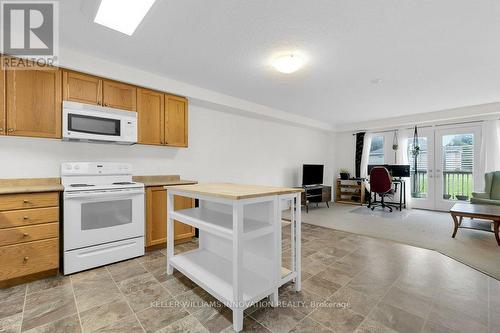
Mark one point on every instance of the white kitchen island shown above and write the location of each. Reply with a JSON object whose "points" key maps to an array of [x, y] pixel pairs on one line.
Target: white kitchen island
{"points": [[239, 256]]}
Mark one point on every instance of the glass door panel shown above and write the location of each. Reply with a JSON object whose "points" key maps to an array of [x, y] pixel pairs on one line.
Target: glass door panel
{"points": [[455, 164], [421, 169]]}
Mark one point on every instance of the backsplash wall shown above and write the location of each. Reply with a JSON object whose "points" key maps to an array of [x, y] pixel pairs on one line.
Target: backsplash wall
{"points": [[223, 147]]}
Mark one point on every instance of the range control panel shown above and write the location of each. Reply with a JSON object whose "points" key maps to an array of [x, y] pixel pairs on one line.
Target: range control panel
{"points": [[95, 168]]}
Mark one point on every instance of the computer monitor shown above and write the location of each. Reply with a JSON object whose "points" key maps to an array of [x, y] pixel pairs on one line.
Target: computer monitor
{"points": [[396, 170]]}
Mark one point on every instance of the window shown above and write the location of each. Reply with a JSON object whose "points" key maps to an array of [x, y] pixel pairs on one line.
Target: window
{"points": [[377, 150]]}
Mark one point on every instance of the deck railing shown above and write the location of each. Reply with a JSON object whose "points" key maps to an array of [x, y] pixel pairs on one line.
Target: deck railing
{"points": [[457, 183], [454, 183], [422, 182]]}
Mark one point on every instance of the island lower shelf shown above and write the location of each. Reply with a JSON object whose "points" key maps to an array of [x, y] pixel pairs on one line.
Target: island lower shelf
{"points": [[198, 265]]}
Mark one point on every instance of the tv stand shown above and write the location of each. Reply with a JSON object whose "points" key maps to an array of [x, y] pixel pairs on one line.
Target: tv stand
{"points": [[316, 194]]}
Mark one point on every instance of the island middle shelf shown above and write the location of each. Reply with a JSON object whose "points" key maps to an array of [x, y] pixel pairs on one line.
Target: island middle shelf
{"points": [[221, 223]]}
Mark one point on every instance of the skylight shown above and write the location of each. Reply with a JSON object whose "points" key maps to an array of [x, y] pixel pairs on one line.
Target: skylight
{"points": [[122, 15]]}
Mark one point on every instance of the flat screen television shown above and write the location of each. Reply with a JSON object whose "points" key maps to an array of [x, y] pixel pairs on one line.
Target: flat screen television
{"points": [[312, 174]]}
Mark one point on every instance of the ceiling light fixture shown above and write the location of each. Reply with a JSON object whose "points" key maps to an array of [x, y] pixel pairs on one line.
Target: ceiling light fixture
{"points": [[288, 63], [122, 15]]}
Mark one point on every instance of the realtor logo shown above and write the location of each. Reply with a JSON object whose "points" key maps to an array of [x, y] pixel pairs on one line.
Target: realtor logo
{"points": [[30, 30]]}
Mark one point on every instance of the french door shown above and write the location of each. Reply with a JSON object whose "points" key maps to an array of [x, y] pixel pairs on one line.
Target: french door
{"points": [[446, 166]]}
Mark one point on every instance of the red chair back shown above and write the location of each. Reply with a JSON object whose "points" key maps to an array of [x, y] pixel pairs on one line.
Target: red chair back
{"points": [[380, 180]]}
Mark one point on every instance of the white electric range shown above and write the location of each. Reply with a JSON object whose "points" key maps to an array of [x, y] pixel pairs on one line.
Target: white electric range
{"points": [[103, 214]]}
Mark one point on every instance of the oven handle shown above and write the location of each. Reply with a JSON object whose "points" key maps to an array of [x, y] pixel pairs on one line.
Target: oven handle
{"points": [[104, 194]]}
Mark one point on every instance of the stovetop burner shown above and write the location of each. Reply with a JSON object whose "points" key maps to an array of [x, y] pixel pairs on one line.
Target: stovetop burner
{"points": [[81, 185], [122, 183]]}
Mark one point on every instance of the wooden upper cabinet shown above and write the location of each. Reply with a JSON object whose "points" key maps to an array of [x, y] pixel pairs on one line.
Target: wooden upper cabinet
{"points": [[119, 95], [150, 116], [31, 103], [34, 102], [82, 88], [3, 121], [176, 121]]}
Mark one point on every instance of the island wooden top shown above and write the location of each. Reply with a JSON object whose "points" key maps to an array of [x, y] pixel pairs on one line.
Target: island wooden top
{"points": [[476, 210], [234, 191]]}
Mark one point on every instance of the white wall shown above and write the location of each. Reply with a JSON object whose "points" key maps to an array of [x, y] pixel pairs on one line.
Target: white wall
{"points": [[223, 147], [344, 152]]}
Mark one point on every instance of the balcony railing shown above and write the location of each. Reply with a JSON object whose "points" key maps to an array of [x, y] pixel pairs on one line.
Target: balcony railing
{"points": [[421, 190], [455, 183]]}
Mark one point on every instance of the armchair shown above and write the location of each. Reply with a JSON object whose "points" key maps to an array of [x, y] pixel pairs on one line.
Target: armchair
{"points": [[491, 194]]}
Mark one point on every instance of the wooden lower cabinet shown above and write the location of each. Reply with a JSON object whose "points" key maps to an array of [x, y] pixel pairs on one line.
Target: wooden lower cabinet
{"points": [[29, 236], [28, 200], [29, 258], [156, 217], [3, 118], [30, 233], [182, 231]]}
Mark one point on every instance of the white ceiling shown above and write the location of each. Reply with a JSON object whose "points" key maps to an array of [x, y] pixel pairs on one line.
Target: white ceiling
{"points": [[430, 54]]}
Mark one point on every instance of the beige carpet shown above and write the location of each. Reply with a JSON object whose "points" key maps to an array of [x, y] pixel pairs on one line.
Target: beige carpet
{"points": [[426, 229]]}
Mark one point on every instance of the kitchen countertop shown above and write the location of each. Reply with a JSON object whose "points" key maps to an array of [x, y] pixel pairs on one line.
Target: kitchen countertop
{"points": [[235, 191], [162, 180], [30, 185]]}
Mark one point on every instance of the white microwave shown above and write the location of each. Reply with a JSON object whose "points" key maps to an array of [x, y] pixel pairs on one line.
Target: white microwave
{"points": [[93, 123]]}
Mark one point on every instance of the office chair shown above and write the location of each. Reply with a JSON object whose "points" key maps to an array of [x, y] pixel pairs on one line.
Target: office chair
{"points": [[381, 184]]}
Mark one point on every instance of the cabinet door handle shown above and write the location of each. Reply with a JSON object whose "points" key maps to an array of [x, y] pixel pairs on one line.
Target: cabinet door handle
{"points": [[26, 201], [25, 259], [26, 218], [10, 130], [25, 235]]}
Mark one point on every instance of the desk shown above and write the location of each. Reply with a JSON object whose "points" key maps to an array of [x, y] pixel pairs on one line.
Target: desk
{"points": [[402, 194]]}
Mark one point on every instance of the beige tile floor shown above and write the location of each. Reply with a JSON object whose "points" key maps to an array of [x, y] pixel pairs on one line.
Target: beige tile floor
{"points": [[351, 283]]}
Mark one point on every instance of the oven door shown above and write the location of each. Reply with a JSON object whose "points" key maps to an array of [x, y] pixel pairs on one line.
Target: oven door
{"points": [[99, 217]]}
